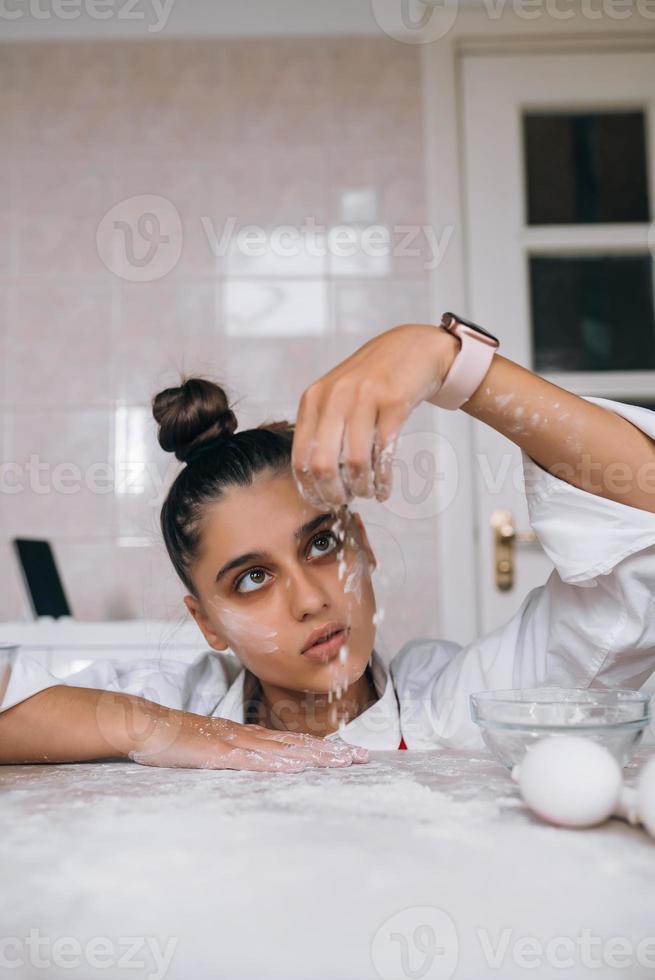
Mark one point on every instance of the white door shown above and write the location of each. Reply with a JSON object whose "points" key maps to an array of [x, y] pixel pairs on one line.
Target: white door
{"points": [[559, 188]]}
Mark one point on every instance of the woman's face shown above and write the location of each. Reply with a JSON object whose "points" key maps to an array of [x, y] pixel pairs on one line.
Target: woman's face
{"points": [[271, 571]]}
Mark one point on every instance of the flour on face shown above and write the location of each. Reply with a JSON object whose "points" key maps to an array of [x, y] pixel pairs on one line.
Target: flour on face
{"points": [[242, 630]]}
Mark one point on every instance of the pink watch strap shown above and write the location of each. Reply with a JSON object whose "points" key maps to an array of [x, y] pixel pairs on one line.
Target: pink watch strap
{"points": [[467, 370]]}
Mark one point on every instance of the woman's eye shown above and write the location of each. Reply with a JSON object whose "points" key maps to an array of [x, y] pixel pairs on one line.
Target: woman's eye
{"points": [[248, 577], [326, 542], [325, 536]]}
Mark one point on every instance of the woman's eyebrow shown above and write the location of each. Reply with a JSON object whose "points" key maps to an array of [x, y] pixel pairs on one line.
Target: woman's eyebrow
{"points": [[310, 526], [298, 534]]}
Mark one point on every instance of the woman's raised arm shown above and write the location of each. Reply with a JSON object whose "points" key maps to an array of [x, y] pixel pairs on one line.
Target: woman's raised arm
{"points": [[579, 442], [348, 422]]}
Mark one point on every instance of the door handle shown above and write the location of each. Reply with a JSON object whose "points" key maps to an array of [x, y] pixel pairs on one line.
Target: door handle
{"points": [[505, 535]]}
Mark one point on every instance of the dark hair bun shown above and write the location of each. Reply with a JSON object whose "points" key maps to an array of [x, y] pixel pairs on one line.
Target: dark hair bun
{"points": [[282, 427], [192, 415]]}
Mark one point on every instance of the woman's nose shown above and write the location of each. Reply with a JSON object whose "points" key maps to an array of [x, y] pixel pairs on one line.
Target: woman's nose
{"points": [[306, 594]]}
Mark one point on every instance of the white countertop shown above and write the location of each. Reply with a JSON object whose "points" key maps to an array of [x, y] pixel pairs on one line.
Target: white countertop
{"points": [[66, 645], [326, 874], [66, 632]]}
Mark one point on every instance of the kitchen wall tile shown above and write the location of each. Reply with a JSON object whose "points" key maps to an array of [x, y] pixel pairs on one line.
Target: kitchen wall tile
{"points": [[279, 91], [10, 56], [376, 96], [8, 210], [5, 372], [364, 309], [71, 92], [276, 369], [202, 195], [14, 604], [65, 473], [274, 184], [62, 197], [144, 473], [105, 580], [166, 329], [177, 95], [60, 341], [276, 308]]}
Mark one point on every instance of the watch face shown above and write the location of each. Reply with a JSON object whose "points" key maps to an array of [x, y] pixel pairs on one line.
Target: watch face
{"points": [[468, 323]]}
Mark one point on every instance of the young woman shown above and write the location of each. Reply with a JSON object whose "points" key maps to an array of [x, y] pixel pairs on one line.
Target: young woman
{"points": [[278, 569]]}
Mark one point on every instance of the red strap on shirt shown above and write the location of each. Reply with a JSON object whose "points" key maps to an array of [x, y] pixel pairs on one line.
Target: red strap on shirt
{"points": [[402, 743]]}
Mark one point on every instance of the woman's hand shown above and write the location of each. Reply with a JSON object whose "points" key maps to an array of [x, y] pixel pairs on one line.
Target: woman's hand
{"points": [[176, 739], [349, 420]]}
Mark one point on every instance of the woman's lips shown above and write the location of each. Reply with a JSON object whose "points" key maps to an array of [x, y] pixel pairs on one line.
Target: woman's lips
{"points": [[323, 653]]}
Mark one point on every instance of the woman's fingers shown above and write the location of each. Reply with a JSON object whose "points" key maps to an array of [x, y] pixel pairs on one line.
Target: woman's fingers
{"points": [[314, 750], [239, 735], [335, 449], [256, 761], [389, 374], [304, 439], [322, 474], [358, 449], [389, 424], [292, 745], [273, 755]]}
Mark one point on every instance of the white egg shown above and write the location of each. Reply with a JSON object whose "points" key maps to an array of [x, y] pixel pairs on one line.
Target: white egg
{"points": [[647, 796], [570, 780]]}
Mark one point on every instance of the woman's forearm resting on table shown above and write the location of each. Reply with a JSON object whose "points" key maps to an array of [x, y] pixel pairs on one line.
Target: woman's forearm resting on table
{"points": [[72, 724], [581, 443]]}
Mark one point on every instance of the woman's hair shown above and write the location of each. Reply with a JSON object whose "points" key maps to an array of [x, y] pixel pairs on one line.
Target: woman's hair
{"points": [[197, 424]]}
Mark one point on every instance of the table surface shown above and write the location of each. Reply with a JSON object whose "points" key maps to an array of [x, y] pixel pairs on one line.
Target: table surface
{"points": [[419, 864]]}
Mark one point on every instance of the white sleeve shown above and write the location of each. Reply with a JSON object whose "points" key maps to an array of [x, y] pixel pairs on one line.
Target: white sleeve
{"points": [[591, 625], [196, 686]]}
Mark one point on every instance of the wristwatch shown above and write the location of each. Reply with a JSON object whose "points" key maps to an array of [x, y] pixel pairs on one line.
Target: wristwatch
{"points": [[472, 361]]}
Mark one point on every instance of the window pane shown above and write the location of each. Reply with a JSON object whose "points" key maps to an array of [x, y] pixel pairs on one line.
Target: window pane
{"points": [[585, 168], [593, 313]]}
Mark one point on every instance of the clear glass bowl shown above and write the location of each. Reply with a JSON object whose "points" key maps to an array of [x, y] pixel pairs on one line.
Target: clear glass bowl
{"points": [[510, 721]]}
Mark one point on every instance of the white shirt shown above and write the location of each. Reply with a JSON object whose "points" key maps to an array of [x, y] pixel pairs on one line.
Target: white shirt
{"points": [[591, 624]]}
